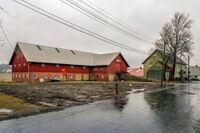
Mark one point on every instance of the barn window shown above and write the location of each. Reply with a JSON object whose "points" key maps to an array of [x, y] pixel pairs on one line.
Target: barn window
{"points": [[46, 76], [39, 47], [118, 60], [70, 76], [57, 65], [34, 75], [101, 69], [56, 75], [57, 50], [43, 65]]}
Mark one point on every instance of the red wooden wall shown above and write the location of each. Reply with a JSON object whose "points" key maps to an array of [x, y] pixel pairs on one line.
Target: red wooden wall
{"points": [[117, 65], [36, 67], [19, 63]]}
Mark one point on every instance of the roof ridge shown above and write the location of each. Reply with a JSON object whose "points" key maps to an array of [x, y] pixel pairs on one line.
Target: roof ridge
{"points": [[35, 44], [47, 54]]}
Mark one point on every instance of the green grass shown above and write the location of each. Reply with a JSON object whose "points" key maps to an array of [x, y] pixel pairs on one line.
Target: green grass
{"points": [[15, 104]]}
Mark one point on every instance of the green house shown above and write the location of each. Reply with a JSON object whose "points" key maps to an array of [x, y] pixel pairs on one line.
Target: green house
{"points": [[153, 66]]}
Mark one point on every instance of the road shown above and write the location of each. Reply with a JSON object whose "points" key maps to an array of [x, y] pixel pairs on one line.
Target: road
{"points": [[170, 110]]}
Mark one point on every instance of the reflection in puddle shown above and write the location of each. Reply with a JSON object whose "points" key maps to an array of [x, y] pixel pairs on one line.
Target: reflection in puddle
{"points": [[120, 101], [178, 92]]}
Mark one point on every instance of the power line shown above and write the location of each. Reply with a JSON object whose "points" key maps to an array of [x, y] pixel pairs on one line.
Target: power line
{"points": [[1, 8], [105, 21], [90, 16], [111, 17], [76, 27], [107, 15], [5, 36]]}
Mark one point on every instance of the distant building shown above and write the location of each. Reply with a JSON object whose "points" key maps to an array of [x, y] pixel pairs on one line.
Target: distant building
{"points": [[5, 77], [5, 68], [5, 73], [32, 63], [139, 72], [195, 72], [154, 63]]}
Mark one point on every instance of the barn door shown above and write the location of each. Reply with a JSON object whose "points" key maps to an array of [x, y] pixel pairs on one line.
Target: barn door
{"points": [[154, 74]]}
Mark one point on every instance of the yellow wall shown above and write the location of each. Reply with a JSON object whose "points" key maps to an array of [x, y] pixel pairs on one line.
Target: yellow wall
{"points": [[85, 77], [111, 77], [78, 77]]}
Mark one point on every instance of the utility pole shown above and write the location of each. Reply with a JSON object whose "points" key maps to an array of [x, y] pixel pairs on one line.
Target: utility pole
{"points": [[188, 68], [163, 68], [181, 71]]}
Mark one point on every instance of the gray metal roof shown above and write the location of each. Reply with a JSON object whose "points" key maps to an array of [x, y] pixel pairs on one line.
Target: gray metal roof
{"points": [[45, 54]]}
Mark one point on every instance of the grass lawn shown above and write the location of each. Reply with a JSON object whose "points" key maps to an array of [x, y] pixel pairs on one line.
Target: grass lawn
{"points": [[15, 104]]}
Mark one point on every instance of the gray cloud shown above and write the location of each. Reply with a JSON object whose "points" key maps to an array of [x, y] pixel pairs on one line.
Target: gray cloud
{"points": [[148, 16]]}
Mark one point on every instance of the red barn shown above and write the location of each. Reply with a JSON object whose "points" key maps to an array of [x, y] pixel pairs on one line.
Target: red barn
{"points": [[30, 63]]}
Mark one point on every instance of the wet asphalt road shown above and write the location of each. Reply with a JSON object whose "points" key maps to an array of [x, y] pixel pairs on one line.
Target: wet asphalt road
{"points": [[172, 110]]}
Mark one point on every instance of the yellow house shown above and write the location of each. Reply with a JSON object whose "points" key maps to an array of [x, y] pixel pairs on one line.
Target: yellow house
{"points": [[153, 66]]}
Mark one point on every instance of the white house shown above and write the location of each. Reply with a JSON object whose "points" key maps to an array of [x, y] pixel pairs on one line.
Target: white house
{"points": [[195, 72]]}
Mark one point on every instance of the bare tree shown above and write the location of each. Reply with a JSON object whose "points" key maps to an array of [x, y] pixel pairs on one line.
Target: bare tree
{"points": [[176, 38]]}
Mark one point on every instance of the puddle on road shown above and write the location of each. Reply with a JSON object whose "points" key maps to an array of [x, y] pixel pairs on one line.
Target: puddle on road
{"points": [[178, 92], [6, 111]]}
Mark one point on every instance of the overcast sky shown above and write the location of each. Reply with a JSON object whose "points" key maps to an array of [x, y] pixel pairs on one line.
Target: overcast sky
{"points": [[146, 16]]}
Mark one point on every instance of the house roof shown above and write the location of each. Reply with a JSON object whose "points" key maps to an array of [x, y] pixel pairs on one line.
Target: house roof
{"points": [[136, 71], [178, 60], [44, 54]]}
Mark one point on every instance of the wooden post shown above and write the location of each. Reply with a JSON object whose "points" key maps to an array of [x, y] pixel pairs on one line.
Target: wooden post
{"points": [[116, 88], [28, 74], [188, 68]]}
